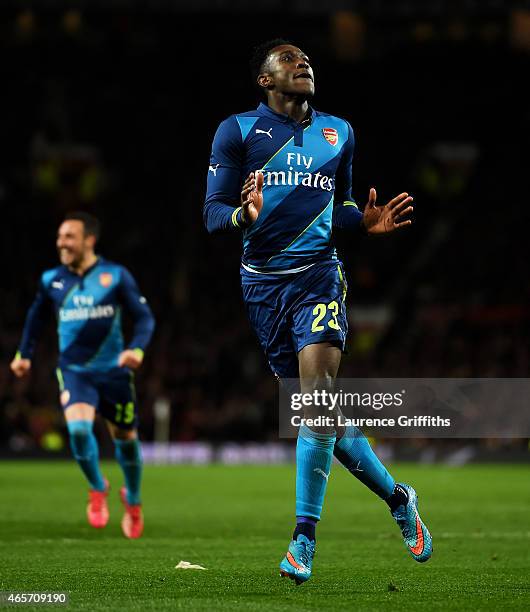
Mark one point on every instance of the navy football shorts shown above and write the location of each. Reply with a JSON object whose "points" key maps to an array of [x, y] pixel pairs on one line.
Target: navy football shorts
{"points": [[290, 311], [111, 393]]}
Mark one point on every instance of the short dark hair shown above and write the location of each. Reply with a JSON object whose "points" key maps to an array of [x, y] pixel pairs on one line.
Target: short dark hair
{"points": [[91, 224], [261, 53]]}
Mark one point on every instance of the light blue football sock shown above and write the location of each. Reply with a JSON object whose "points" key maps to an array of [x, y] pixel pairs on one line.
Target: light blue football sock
{"points": [[314, 454], [85, 450], [355, 453], [129, 456]]}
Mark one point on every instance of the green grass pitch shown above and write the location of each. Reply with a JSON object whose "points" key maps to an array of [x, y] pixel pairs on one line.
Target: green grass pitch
{"points": [[237, 521]]}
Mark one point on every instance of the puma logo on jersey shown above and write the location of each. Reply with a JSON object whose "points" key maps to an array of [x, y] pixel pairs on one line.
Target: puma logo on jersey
{"points": [[268, 132], [57, 285], [213, 169]]}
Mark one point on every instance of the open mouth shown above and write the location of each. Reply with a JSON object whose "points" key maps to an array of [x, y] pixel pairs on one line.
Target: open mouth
{"points": [[303, 75]]}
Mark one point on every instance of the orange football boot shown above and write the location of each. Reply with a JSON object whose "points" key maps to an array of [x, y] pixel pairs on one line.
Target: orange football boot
{"points": [[97, 510], [132, 523]]}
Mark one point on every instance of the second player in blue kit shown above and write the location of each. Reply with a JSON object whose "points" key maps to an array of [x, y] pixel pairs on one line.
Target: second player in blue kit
{"points": [[281, 175], [95, 371]]}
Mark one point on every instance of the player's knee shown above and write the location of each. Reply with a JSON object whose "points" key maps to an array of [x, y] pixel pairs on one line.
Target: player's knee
{"points": [[81, 438], [80, 412], [323, 381], [123, 434]]}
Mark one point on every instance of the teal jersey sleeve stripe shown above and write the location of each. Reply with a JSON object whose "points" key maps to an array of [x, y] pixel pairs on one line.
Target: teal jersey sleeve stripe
{"points": [[246, 124]]}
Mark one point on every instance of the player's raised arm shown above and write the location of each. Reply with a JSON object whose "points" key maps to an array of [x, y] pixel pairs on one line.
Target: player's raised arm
{"points": [[144, 321], [222, 207], [35, 318], [375, 220], [346, 214]]}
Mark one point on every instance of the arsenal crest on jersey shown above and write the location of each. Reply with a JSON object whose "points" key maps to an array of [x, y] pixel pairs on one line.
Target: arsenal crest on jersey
{"points": [[331, 135], [105, 279]]}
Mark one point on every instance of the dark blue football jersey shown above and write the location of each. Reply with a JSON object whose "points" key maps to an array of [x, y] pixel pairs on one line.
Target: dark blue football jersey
{"points": [[307, 170], [89, 315]]}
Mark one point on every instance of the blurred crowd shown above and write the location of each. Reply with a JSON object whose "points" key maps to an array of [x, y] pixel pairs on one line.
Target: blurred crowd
{"points": [[114, 114]]}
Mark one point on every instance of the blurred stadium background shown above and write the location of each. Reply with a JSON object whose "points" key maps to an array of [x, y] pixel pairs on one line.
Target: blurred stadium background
{"points": [[111, 107]]}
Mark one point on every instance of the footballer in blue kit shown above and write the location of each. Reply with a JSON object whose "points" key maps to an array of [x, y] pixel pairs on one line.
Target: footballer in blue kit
{"points": [[95, 371], [281, 176]]}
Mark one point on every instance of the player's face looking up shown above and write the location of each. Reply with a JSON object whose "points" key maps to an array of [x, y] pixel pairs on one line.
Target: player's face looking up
{"points": [[287, 71], [73, 244]]}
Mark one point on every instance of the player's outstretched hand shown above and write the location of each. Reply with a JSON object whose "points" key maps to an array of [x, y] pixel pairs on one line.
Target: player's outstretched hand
{"points": [[248, 186], [385, 219], [20, 367], [130, 359], [252, 198]]}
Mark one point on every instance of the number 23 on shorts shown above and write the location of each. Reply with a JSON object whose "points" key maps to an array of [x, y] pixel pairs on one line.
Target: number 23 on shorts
{"points": [[320, 311]]}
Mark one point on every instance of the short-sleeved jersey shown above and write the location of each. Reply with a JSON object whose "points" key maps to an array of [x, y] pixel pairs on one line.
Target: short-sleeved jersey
{"points": [[89, 312], [307, 185]]}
